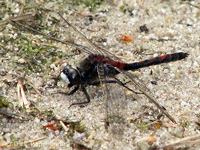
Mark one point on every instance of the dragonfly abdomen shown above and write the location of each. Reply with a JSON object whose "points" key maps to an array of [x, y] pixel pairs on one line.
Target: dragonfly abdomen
{"points": [[156, 60]]}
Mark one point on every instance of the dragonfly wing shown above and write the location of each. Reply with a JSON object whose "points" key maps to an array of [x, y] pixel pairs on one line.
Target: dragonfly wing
{"points": [[95, 49], [142, 88], [115, 103], [115, 107]]}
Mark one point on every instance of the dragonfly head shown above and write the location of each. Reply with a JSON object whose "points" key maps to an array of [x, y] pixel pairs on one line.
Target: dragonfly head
{"points": [[70, 75]]}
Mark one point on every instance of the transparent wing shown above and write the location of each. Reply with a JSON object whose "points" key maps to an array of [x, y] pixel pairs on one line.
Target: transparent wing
{"points": [[115, 107], [95, 48], [141, 87], [115, 102], [81, 47]]}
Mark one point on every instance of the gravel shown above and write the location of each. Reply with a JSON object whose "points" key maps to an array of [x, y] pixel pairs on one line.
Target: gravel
{"points": [[173, 26]]}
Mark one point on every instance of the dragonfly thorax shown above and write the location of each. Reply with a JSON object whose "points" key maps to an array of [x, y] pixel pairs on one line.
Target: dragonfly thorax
{"points": [[70, 75]]}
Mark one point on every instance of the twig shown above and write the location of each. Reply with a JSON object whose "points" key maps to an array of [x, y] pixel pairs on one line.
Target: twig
{"points": [[64, 126], [184, 140], [26, 17], [194, 5], [21, 95], [14, 144]]}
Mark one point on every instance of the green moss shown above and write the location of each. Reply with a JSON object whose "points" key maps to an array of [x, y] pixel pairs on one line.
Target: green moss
{"points": [[3, 102], [92, 4], [142, 125], [48, 113], [36, 57], [13, 138], [185, 123], [76, 126], [123, 8]]}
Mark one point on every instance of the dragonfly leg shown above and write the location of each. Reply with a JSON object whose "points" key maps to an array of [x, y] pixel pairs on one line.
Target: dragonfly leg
{"points": [[87, 97], [94, 83], [118, 82], [74, 90], [70, 92], [106, 81], [124, 85]]}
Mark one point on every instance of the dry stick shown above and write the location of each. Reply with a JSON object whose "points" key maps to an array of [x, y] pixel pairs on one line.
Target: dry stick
{"points": [[36, 90], [22, 96], [194, 5], [15, 144], [184, 140], [64, 126], [8, 114], [26, 17]]}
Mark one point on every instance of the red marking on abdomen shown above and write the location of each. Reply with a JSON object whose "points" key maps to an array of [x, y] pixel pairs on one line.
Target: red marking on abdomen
{"points": [[163, 56], [117, 64]]}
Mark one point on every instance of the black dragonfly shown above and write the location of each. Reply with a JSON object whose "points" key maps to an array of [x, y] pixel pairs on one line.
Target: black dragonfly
{"points": [[101, 67]]}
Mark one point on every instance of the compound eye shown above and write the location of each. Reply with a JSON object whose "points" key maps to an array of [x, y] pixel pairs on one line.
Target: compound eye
{"points": [[72, 73], [70, 76], [65, 71]]}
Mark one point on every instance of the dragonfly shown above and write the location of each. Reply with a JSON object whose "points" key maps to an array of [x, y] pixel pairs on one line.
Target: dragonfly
{"points": [[101, 67], [93, 69]]}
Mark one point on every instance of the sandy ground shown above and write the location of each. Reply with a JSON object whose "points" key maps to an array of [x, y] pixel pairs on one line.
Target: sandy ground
{"points": [[173, 26]]}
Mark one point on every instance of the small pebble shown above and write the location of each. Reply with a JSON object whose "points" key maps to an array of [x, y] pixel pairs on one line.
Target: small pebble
{"points": [[166, 71]]}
